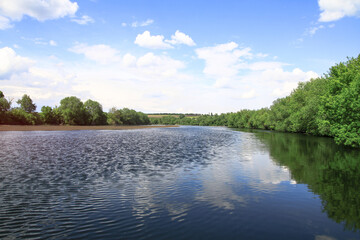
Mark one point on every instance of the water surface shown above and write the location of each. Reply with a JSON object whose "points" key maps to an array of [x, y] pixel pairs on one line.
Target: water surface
{"points": [[177, 183]]}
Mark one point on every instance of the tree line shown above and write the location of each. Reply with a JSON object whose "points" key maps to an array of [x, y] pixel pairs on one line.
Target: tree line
{"points": [[71, 111], [325, 106]]}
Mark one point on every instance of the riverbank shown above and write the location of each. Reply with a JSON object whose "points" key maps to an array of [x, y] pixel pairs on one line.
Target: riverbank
{"points": [[72, 128]]}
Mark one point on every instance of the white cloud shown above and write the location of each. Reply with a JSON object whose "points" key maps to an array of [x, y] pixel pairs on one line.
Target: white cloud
{"points": [[142, 24], [223, 61], [333, 10], [52, 43], [260, 66], [11, 63], [129, 60], [288, 81], [181, 38], [313, 30], [162, 65], [249, 94], [15, 10], [238, 69], [243, 80], [83, 20], [153, 42], [100, 53], [5, 23]]}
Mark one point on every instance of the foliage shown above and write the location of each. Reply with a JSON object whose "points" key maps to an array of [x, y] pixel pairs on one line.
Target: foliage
{"points": [[73, 111], [4, 108], [340, 108], [26, 104], [51, 116], [21, 117], [4, 105], [127, 117], [95, 112]]}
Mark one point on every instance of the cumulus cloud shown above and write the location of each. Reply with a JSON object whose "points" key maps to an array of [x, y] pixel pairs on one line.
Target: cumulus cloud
{"points": [[15, 10], [157, 42], [11, 63], [162, 65], [333, 10], [287, 81], [100, 53], [243, 75], [129, 60], [181, 38], [223, 61], [142, 24], [154, 42], [83, 20]]}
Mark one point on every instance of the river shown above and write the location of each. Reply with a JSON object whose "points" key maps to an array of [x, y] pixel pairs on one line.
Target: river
{"points": [[177, 183]]}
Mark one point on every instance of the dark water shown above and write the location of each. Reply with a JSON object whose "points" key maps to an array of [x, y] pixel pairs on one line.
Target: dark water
{"points": [[177, 183]]}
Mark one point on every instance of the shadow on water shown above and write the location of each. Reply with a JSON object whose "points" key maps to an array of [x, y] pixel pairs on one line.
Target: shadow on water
{"points": [[329, 170]]}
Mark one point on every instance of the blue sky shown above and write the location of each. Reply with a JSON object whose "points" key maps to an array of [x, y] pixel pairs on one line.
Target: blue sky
{"points": [[171, 56]]}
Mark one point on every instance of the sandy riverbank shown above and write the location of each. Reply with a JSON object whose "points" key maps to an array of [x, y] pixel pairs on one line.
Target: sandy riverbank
{"points": [[72, 128]]}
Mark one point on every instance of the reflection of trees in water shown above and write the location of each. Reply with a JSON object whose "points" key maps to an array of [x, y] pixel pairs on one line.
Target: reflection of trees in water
{"points": [[331, 171]]}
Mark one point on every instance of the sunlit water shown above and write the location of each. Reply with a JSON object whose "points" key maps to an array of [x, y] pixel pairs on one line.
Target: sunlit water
{"points": [[177, 183]]}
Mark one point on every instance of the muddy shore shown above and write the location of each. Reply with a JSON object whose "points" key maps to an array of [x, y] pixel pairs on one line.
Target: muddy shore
{"points": [[72, 128]]}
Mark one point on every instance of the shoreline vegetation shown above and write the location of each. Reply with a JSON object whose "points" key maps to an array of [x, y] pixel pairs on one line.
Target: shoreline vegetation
{"points": [[325, 106], [74, 127]]}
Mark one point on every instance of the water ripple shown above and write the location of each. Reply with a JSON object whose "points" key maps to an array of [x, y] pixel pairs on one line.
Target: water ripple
{"points": [[180, 183]]}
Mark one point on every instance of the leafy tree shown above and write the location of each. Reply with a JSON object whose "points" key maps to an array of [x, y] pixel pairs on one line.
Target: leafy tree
{"points": [[73, 111], [4, 108], [50, 116], [26, 104], [95, 112], [47, 115], [127, 116], [340, 108], [114, 117], [20, 116], [4, 105]]}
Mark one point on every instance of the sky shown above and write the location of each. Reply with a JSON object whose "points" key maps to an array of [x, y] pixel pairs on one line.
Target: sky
{"points": [[171, 56]]}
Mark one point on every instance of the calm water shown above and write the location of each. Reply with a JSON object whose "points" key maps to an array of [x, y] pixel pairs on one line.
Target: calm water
{"points": [[177, 183]]}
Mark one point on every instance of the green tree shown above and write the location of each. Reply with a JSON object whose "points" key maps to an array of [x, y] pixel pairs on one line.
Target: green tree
{"points": [[340, 106], [114, 117], [95, 112], [73, 111], [50, 115], [127, 116], [4, 108], [4, 105], [26, 104]]}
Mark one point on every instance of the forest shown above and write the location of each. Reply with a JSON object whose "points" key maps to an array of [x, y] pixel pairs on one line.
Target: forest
{"points": [[71, 111], [325, 106]]}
